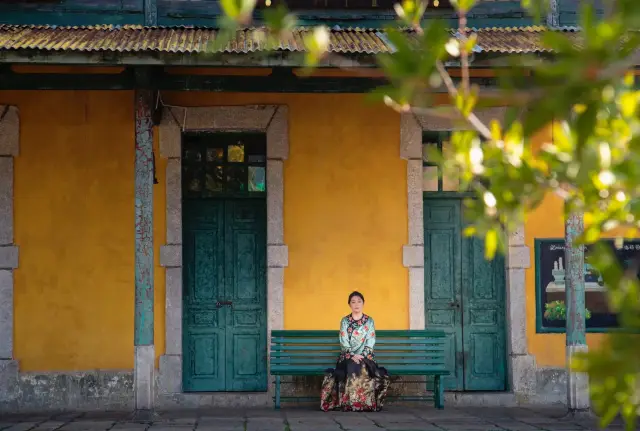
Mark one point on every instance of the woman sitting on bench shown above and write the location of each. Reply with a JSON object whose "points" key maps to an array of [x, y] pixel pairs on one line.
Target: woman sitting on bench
{"points": [[357, 383]]}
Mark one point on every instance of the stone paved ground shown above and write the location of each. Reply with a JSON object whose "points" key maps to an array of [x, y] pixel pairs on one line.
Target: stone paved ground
{"points": [[306, 419]]}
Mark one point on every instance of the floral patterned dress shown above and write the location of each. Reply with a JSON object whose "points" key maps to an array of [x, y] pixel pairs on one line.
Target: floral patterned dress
{"points": [[351, 386]]}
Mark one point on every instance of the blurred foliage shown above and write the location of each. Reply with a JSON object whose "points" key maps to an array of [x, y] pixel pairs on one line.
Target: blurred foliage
{"points": [[579, 105]]}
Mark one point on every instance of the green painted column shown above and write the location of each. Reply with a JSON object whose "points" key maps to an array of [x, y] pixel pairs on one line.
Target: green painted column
{"points": [[553, 15], [144, 295], [577, 383], [150, 13]]}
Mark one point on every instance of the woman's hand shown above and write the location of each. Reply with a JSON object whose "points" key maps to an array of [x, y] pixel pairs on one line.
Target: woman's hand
{"points": [[357, 358]]}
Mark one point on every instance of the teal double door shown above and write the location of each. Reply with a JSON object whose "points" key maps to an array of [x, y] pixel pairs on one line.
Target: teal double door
{"points": [[224, 295], [465, 297]]}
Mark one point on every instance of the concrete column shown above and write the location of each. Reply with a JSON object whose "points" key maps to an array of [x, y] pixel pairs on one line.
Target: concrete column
{"points": [[522, 366], [143, 320], [577, 383], [553, 15], [413, 252]]}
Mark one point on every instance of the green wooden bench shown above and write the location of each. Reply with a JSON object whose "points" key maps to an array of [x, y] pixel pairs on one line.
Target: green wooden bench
{"points": [[401, 352]]}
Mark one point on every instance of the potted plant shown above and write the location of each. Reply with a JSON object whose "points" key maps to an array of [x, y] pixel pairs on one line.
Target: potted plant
{"points": [[557, 310]]}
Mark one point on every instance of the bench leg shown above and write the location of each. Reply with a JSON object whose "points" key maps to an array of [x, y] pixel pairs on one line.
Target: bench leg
{"points": [[438, 391], [277, 398]]}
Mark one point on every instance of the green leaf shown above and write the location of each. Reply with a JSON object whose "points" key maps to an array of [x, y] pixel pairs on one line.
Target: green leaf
{"points": [[231, 8], [463, 6], [278, 19], [628, 104], [491, 244]]}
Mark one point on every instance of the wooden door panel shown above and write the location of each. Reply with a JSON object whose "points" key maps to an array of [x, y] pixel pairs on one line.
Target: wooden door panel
{"points": [[442, 280], [246, 236], [483, 319], [204, 324]]}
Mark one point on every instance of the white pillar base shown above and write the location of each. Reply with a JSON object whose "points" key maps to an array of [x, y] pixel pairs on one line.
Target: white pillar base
{"points": [[143, 378], [577, 383]]}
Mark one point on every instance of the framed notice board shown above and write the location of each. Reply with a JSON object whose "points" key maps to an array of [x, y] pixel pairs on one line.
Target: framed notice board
{"points": [[550, 266]]}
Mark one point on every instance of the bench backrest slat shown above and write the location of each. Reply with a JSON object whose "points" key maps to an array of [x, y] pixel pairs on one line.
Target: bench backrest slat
{"points": [[387, 361], [400, 351], [379, 341], [334, 354], [393, 369], [383, 333], [313, 348]]}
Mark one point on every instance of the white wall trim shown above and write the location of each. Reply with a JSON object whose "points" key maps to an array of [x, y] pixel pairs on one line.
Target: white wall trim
{"points": [[271, 119]]}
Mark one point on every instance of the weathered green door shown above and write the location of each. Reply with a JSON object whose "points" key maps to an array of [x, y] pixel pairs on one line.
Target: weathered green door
{"points": [[464, 296], [224, 322], [224, 222]]}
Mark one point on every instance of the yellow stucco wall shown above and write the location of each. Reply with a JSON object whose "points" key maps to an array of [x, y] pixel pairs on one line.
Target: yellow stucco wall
{"points": [[74, 224], [345, 213], [345, 220], [345, 206]]}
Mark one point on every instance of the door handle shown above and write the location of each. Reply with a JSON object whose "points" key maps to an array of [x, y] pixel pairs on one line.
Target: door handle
{"points": [[454, 304], [221, 304]]}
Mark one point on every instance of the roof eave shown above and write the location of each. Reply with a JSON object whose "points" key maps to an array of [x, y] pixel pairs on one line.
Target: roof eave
{"points": [[255, 59]]}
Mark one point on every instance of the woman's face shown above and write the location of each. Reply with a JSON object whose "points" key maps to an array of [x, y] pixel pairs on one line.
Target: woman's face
{"points": [[356, 304]]}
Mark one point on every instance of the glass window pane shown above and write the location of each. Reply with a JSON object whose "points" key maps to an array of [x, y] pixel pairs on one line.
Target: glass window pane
{"points": [[235, 153], [255, 146], [256, 158], [192, 155], [256, 178], [214, 180], [427, 149], [450, 184], [236, 178], [447, 148], [215, 154], [192, 180], [430, 178]]}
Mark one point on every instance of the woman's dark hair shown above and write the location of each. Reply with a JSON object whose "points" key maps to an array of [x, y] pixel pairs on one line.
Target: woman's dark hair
{"points": [[356, 293]]}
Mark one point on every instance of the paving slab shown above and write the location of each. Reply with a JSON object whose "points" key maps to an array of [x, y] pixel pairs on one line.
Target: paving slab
{"points": [[84, 424], [126, 425], [222, 428], [51, 425], [163, 427], [393, 418], [416, 426], [515, 426], [23, 426], [318, 422], [221, 422]]}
